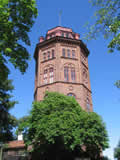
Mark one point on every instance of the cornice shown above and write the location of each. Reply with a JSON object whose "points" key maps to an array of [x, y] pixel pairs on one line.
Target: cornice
{"points": [[72, 83]]}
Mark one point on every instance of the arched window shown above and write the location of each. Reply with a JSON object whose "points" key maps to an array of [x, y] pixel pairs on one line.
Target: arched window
{"points": [[88, 105], [51, 73], [66, 73], [71, 94], [48, 75], [69, 73], [45, 77]]}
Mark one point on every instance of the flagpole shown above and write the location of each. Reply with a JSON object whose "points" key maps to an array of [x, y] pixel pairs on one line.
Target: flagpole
{"points": [[60, 13]]}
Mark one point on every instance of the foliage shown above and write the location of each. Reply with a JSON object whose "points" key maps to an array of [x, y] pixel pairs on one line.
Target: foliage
{"points": [[105, 158], [117, 84], [7, 122], [58, 122], [107, 22], [117, 151], [16, 20]]}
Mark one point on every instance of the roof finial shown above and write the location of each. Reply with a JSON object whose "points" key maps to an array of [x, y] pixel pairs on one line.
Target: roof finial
{"points": [[60, 13]]}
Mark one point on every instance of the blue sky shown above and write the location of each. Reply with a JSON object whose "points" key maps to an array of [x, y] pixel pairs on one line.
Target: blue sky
{"points": [[103, 66]]}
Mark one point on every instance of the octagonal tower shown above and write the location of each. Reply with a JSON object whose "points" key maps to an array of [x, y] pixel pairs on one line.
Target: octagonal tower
{"points": [[62, 66]]}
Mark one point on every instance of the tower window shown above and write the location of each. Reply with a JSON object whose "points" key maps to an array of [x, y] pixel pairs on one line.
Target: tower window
{"points": [[67, 35], [66, 74], [88, 105], [51, 75], [72, 74], [44, 56], [68, 53], [71, 94], [73, 53], [48, 55], [62, 34], [85, 77], [53, 53], [45, 78], [63, 52]]}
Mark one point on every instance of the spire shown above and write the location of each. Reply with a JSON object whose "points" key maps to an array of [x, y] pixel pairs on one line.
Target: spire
{"points": [[60, 14]]}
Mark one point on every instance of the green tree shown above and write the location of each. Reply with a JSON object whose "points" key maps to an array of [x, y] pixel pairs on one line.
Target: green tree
{"points": [[16, 20], [57, 126], [117, 151], [105, 158], [7, 121], [107, 22], [117, 84]]}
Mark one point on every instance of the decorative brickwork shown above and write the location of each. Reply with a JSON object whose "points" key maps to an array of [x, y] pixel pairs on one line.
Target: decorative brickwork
{"points": [[62, 66]]}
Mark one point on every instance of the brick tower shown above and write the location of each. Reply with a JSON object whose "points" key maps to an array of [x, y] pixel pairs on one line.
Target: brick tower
{"points": [[62, 66]]}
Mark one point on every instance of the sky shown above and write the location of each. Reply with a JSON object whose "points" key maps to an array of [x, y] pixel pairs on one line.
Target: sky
{"points": [[103, 66]]}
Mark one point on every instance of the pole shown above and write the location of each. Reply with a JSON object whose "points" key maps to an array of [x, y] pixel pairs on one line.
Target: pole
{"points": [[60, 13]]}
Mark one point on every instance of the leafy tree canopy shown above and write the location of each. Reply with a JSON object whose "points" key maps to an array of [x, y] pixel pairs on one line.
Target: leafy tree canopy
{"points": [[59, 119], [7, 121], [107, 22], [117, 151], [16, 20]]}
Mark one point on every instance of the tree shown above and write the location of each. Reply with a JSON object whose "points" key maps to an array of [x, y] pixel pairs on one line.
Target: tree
{"points": [[117, 84], [105, 158], [57, 126], [7, 121], [16, 20], [107, 22], [117, 151]]}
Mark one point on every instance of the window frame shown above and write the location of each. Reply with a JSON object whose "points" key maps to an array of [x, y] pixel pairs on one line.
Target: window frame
{"points": [[63, 52], [71, 95], [48, 55], [68, 53], [51, 74], [66, 73], [88, 104], [44, 56], [73, 76], [73, 53], [53, 53], [45, 76]]}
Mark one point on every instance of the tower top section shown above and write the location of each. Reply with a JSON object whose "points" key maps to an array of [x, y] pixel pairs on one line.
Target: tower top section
{"points": [[61, 32], [62, 35]]}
